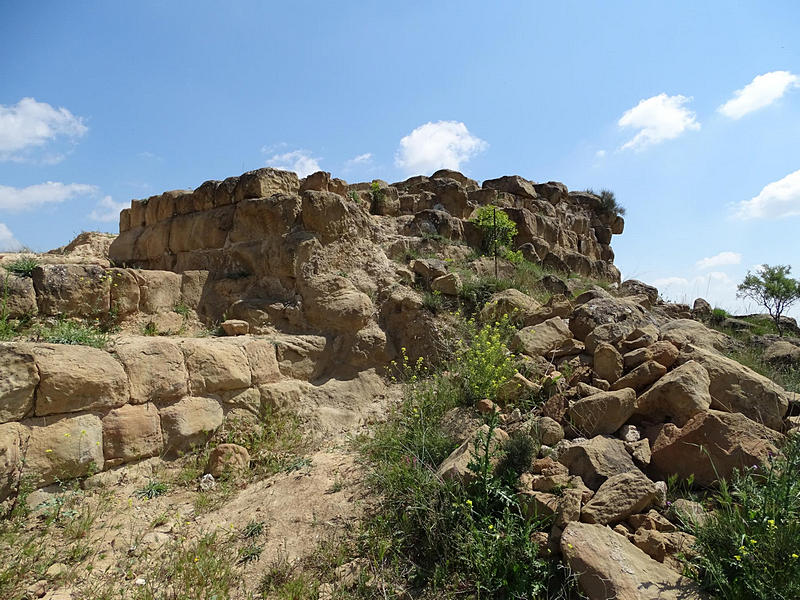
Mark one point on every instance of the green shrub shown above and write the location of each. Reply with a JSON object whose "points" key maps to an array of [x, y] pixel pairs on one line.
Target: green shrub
{"points": [[750, 546], [23, 266], [153, 489], [608, 202], [497, 228], [377, 198], [73, 332], [484, 362]]}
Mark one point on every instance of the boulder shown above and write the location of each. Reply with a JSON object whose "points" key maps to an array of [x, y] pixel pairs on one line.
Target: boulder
{"points": [[429, 268], [125, 293], [608, 567], [266, 182], [72, 290], [682, 332], [66, 447], [541, 339], [155, 368], [664, 353], [641, 376], [736, 388], [679, 395], [633, 287], [189, 423], [780, 353], [130, 433], [18, 296], [235, 327], [606, 310], [215, 366], [227, 459], [13, 440], [511, 184], [520, 308], [18, 382], [607, 362], [711, 445], [449, 285], [596, 460], [76, 378], [545, 430], [701, 308], [262, 358], [602, 413], [159, 291], [456, 466], [664, 545], [619, 497]]}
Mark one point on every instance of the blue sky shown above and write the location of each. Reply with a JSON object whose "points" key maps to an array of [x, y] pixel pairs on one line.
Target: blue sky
{"points": [[689, 112]]}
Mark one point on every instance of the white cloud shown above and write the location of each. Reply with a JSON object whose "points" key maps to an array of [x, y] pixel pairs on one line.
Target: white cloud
{"points": [[658, 118], [716, 287], [670, 282], [299, 161], [360, 159], [440, 145], [776, 200], [29, 124], [34, 196], [761, 92], [719, 260], [8, 243], [600, 154], [107, 210]]}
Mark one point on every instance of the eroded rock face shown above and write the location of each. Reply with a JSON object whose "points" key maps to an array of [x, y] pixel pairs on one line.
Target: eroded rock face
{"points": [[18, 382], [609, 566], [155, 367]]}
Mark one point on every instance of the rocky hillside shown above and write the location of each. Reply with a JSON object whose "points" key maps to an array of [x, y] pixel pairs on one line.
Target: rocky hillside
{"points": [[205, 372]]}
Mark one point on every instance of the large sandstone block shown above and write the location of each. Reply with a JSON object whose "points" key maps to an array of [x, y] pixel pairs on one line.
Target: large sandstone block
{"points": [[679, 395], [512, 184], [604, 310], [662, 352], [188, 423], [619, 497], [18, 296], [344, 310], [199, 231], [682, 332], [125, 294], [76, 378], [68, 447], [641, 376], [263, 183], [711, 445], [330, 216], [604, 412], [154, 240], [520, 308], [13, 440], [539, 340], [160, 291], [262, 358], [301, 356], [596, 460], [215, 366], [18, 380], [72, 290], [607, 362], [260, 218], [736, 388], [608, 567], [130, 433], [155, 368]]}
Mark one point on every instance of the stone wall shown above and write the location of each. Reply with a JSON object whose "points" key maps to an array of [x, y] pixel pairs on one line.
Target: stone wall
{"points": [[66, 411]]}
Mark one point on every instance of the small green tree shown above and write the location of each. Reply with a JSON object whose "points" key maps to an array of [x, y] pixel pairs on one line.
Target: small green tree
{"points": [[773, 289], [498, 230]]}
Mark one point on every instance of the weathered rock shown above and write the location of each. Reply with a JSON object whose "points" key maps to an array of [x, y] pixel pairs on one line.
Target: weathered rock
{"points": [[652, 520], [596, 460], [736, 388], [662, 546], [72, 290], [188, 423], [629, 433], [607, 362], [130, 433], [682, 332], [538, 504], [511, 184], [539, 340], [13, 442], [664, 353], [18, 381], [607, 310], [18, 296], [608, 567], [215, 366], [155, 368], [545, 430], [455, 466], [781, 353], [429, 268], [263, 183], [64, 448], [687, 512], [235, 327], [633, 287], [602, 413], [640, 452], [711, 445], [641, 376], [227, 459], [701, 308], [520, 308], [679, 395], [76, 378], [449, 285], [517, 388], [619, 497], [159, 291]]}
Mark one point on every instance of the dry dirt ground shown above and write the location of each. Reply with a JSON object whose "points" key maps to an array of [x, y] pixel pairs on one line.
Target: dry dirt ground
{"points": [[106, 539]]}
